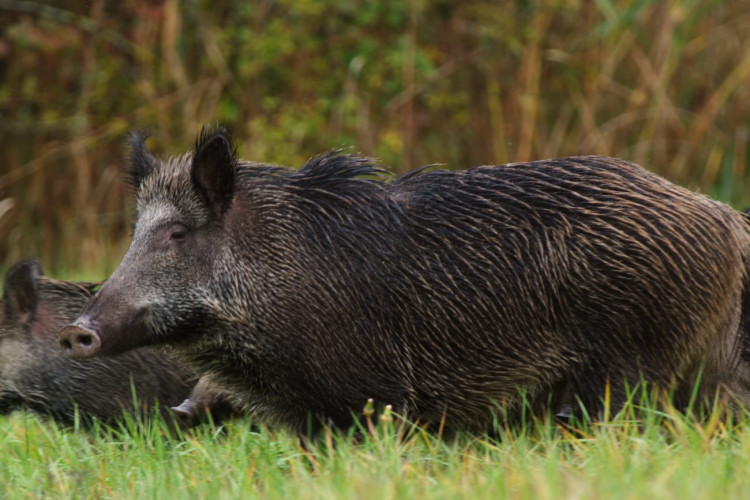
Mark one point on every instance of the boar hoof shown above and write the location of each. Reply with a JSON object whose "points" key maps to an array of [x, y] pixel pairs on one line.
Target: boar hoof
{"points": [[185, 414]]}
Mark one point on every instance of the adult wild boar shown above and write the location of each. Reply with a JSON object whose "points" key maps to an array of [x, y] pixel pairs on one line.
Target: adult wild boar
{"points": [[444, 293]]}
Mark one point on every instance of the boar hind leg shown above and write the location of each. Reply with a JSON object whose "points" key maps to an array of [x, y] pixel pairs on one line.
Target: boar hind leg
{"points": [[723, 376], [737, 377], [597, 392]]}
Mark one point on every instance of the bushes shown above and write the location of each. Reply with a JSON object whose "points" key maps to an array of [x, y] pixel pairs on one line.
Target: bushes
{"points": [[415, 82]]}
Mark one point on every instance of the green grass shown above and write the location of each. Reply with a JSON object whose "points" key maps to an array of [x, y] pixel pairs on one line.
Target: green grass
{"points": [[659, 454]]}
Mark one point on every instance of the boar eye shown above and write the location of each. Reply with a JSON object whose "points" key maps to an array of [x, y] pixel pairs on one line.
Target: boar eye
{"points": [[178, 235]]}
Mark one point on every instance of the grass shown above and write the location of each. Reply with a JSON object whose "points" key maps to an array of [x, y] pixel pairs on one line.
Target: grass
{"points": [[641, 453]]}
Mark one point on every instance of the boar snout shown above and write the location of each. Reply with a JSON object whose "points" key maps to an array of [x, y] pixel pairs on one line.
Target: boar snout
{"points": [[79, 342]]}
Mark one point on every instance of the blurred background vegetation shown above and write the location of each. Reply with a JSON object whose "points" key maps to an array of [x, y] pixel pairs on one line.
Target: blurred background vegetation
{"points": [[661, 83]]}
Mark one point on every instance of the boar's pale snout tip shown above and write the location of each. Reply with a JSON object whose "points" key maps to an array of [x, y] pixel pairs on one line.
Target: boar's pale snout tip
{"points": [[79, 342]]}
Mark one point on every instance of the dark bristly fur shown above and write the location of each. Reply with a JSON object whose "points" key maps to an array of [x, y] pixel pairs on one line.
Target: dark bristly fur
{"points": [[307, 292]]}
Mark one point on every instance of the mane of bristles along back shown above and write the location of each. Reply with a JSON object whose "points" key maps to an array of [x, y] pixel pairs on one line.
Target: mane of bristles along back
{"points": [[328, 171], [352, 180], [333, 166]]}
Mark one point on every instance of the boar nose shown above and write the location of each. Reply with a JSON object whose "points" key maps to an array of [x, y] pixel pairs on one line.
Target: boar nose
{"points": [[79, 342]]}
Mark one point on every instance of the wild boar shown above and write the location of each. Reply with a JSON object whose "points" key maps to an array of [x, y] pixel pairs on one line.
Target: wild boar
{"points": [[303, 293]]}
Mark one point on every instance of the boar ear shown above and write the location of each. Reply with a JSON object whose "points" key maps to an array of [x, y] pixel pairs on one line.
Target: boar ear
{"points": [[21, 295], [142, 162], [214, 169]]}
